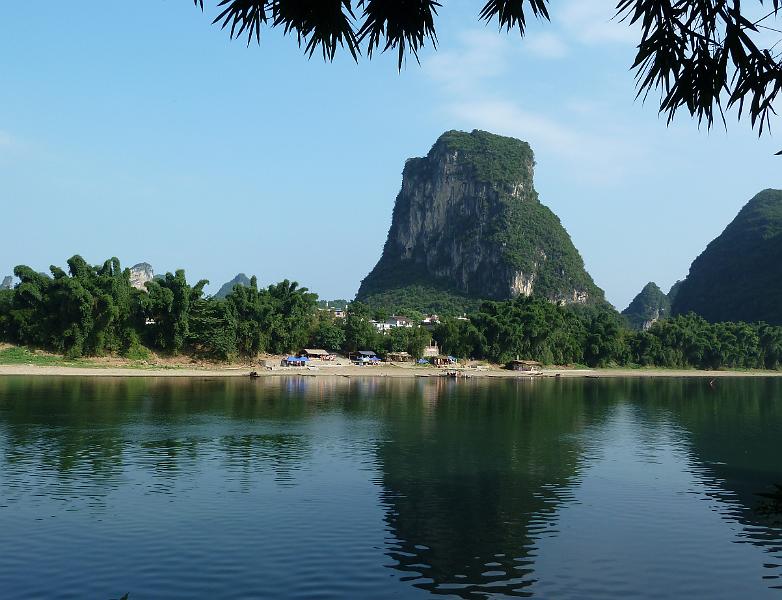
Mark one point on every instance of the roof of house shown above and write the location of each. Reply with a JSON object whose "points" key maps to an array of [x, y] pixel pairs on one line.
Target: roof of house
{"points": [[316, 351], [526, 362], [366, 353]]}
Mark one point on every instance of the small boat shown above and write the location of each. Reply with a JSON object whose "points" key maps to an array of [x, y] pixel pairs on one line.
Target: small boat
{"points": [[254, 375]]}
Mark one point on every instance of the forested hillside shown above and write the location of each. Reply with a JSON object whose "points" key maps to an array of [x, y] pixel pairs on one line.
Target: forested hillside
{"points": [[738, 276]]}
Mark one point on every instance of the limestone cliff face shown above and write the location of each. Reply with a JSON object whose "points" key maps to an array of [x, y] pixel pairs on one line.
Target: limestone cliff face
{"points": [[7, 283], [140, 274], [468, 220]]}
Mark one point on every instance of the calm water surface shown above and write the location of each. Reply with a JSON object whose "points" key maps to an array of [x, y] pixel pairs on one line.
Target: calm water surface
{"points": [[379, 488]]}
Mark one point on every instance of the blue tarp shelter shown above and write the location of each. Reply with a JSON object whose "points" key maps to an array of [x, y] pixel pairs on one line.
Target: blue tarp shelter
{"points": [[295, 361]]}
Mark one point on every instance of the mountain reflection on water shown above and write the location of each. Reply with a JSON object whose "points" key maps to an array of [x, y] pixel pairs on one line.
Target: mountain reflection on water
{"points": [[388, 488]]}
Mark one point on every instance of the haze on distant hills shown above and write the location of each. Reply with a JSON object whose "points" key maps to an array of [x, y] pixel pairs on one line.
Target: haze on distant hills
{"points": [[738, 277], [467, 226]]}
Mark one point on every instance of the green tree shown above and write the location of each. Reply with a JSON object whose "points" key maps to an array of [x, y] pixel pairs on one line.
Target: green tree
{"points": [[249, 306], [360, 333], [87, 310], [289, 317], [6, 304], [167, 306], [328, 333], [212, 329], [417, 341], [770, 339], [605, 342]]}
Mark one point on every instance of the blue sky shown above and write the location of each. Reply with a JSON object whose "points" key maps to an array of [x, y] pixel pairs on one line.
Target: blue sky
{"points": [[138, 130]]}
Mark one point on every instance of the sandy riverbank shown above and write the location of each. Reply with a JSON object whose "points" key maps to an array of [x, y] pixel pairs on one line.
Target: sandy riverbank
{"points": [[354, 371]]}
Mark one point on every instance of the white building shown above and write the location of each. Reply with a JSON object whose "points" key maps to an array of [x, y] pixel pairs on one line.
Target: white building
{"points": [[384, 327], [392, 323], [397, 321]]}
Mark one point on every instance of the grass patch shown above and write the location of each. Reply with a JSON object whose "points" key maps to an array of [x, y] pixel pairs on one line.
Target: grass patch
{"points": [[19, 355]]}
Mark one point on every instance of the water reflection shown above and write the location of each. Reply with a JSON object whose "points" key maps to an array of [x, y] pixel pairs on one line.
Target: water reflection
{"points": [[327, 485], [472, 483]]}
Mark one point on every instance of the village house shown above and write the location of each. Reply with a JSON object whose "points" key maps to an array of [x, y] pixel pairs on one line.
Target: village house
{"points": [[391, 323], [364, 357], [529, 366], [295, 361], [316, 354], [398, 321], [430, 321], [444, 361], [399, 357], [382, 327]]}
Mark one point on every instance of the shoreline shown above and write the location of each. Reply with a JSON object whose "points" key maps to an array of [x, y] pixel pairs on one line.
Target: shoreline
{"points": [[354, 371]]}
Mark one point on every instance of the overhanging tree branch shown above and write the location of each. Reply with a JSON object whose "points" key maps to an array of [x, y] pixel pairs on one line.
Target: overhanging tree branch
{"points": [[703, 56]]}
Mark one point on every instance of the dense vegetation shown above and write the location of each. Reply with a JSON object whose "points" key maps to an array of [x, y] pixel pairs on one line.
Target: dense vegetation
{"points": [[403, 288], [466, 223], [739, 275], [488, 158], [93, 310], [649, 305], [532, 328]]}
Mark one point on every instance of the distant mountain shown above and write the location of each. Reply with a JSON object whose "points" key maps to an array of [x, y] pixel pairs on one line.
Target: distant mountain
{"points": [[738, 277], [8, 282], [467, 225], [140, 274], [240, 279], [650, 305]]}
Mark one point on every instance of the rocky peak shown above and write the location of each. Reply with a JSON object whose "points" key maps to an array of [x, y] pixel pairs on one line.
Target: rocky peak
{"points": [[140, 274], [649, 306], [468, 220], [7, 283]]}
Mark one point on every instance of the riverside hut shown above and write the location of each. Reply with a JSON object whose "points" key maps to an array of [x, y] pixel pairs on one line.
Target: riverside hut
{"points": [[364, 357], [295, 361], [529, 366], [316, 354]]}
